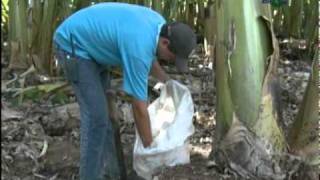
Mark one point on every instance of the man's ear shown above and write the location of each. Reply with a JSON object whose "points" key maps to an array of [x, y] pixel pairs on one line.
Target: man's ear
{"points": [[164, 41]]}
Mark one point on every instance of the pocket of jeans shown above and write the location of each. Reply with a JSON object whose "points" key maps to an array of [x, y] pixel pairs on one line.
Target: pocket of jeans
{"points": [[72, 69]]}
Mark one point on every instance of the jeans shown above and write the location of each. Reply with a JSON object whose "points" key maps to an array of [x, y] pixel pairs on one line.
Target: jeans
{"points": [[89, 80]]}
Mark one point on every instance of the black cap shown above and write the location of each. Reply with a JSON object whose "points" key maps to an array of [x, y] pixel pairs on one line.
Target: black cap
{"points": [[182, 41]]}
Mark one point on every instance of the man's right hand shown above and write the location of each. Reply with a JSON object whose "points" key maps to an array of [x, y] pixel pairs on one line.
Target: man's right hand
{"points": [[142, 120]]}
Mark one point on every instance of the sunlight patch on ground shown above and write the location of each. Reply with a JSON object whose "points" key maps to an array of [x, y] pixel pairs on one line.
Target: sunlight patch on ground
{"points": [[202, 149]]}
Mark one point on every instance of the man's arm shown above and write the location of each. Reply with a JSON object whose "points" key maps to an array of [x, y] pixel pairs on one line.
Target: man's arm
{"points": [[140, 111], [142, 120], [158, 72]]}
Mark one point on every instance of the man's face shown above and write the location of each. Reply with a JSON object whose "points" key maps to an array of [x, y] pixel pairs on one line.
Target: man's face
{"points": [[163, 51]]}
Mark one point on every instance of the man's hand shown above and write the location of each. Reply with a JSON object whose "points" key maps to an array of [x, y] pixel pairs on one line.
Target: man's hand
{"points": [[142, 120]]}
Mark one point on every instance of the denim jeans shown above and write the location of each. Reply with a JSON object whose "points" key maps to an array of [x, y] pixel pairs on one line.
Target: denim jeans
{"points": [[89, 81]]}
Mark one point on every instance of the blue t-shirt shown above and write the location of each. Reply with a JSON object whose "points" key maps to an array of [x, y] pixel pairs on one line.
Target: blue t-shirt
{"points": [[115, 34]]}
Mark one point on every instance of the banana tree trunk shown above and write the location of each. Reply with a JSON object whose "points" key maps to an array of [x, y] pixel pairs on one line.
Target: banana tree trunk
{"points": [[209, 29], [296, 18], [31, 25], [247, 133], [278, 20], [303, 137], [42, 46], [157, 5], [18, 37], [311, 30], [190, 13]]}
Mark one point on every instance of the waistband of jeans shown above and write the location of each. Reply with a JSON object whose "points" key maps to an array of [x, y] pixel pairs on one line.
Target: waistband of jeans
{"points": [[58, 49]]}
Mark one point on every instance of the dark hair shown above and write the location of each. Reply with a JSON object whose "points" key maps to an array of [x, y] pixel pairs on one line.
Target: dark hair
{"points": [[164, 31]]}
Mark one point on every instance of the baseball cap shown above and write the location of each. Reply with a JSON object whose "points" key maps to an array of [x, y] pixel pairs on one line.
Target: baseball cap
{"points": [[182, 41]]}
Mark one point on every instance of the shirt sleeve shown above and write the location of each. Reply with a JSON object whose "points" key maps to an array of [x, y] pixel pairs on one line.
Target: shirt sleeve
{"points": [[137, 50], [135, 77]]}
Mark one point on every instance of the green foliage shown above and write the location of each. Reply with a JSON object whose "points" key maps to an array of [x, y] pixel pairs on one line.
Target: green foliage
{"points": [[50, 92], [4, 11], [60, 97], [299, 20], [32, 25]]}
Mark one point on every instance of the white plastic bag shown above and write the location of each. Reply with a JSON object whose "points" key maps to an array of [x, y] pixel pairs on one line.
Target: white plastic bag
{"points": [[171, 125]]}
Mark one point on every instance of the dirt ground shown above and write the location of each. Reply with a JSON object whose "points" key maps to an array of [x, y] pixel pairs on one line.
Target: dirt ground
{"points": [[40, 140]]}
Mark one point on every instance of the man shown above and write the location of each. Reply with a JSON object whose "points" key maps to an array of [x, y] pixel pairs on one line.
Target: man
{"points": [[116, 34]]}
